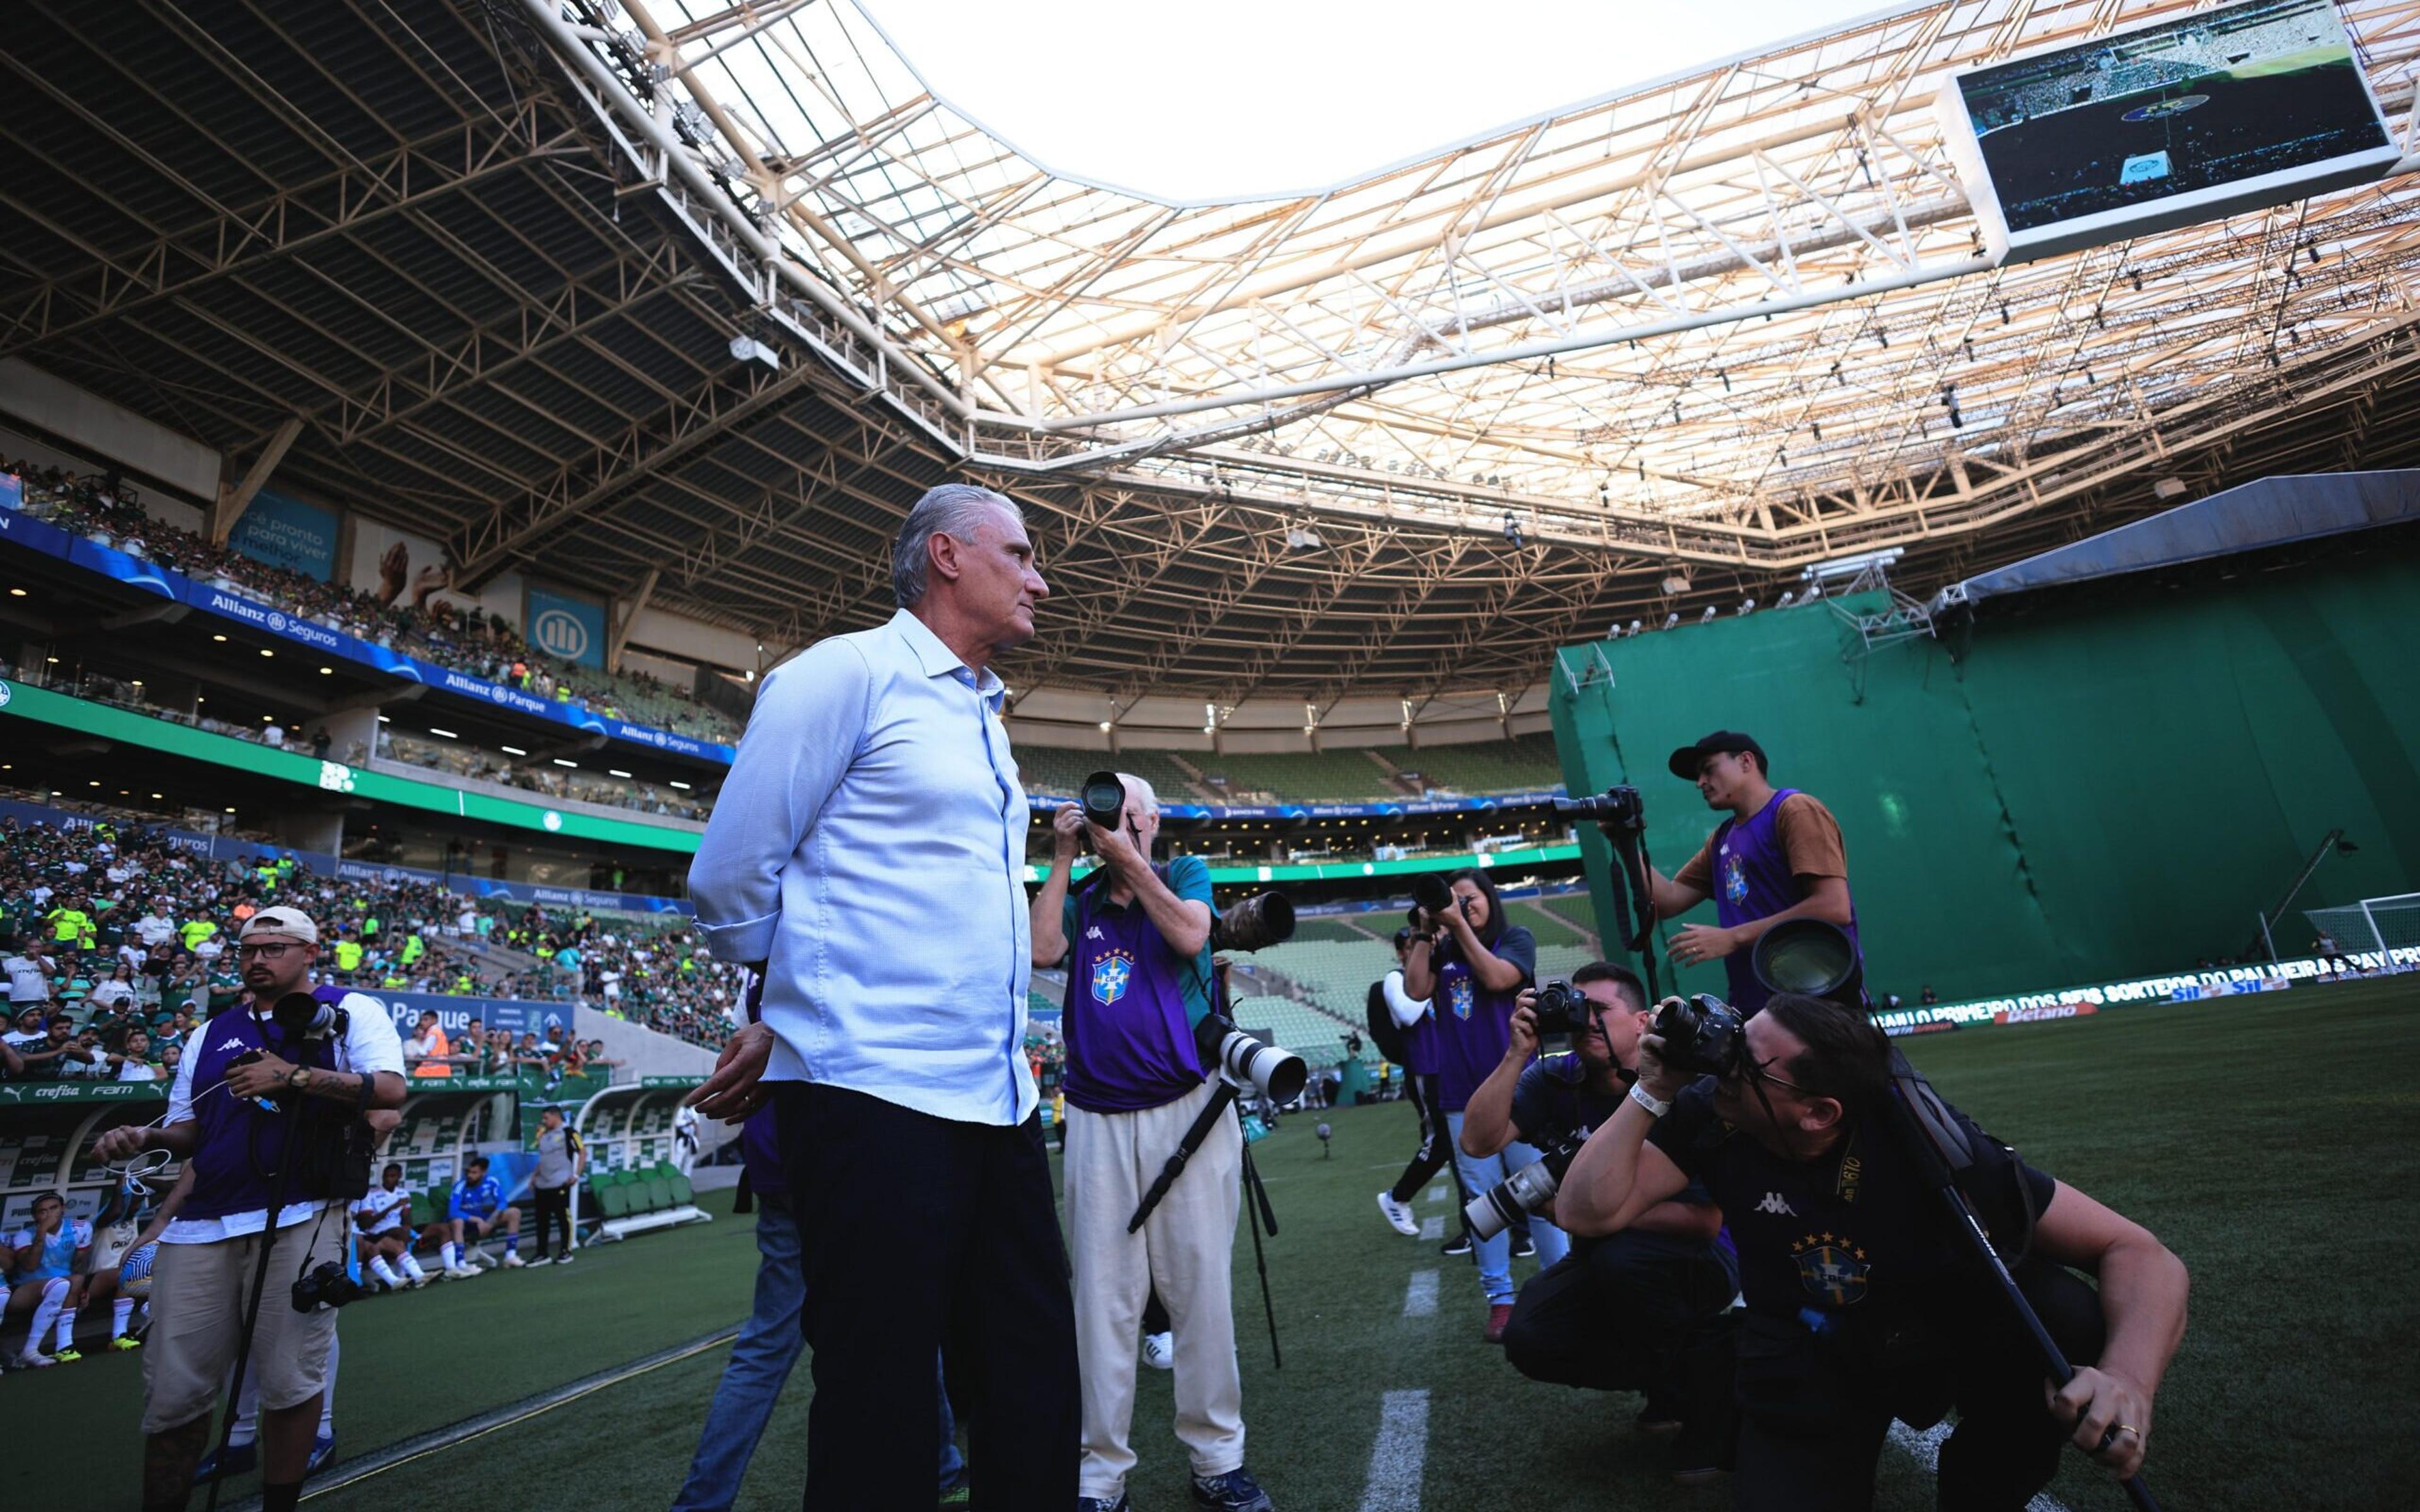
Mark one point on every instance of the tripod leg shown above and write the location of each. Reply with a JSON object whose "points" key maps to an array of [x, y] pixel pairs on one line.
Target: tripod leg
{"points": [[1253, 1189]]}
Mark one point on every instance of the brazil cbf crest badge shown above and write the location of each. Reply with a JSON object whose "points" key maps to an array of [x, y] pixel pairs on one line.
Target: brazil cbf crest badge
{"points": [[1460, 997], [1111, 975], [1832, 1267]]}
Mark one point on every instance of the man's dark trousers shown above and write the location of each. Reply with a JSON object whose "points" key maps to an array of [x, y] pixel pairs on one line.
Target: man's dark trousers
{"points": [[920, 1234]]}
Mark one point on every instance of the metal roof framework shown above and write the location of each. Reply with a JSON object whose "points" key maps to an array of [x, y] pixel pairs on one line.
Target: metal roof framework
{"points": [[494, 255]]}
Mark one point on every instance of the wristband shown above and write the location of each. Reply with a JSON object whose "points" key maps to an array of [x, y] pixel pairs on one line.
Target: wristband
{"points": [[1656, 1107]]}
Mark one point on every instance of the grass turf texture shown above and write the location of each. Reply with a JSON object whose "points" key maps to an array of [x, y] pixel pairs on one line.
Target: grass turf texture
{"points": [[2267, 1139]]}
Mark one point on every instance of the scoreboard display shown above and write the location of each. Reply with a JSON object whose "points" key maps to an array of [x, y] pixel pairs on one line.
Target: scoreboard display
{"points": [[2193, 119]]}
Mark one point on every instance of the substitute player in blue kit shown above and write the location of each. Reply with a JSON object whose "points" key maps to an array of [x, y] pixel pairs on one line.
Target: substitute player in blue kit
{"points": [[474, 1210]]}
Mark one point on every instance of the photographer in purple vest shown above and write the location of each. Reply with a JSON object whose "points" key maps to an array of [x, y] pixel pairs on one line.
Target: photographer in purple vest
{"points": [[1471, 965], [228, 1116], [1777, 856], [1135, 942]]}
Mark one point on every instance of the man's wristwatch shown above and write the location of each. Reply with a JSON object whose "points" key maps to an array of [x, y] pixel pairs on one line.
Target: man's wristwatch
{"points": [[1656, 1107], [299, 1078]]}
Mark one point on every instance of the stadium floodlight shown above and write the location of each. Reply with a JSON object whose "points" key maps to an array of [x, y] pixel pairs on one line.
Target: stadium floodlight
{"points": [[1747, 605], [1303, 538], [1672, 619], [1789, 595], [447, 734], [1676, 583], [1634, 628], [1708, 615], [749, 349], [615, 771], [512, 750], [1863, 562], [2168, 489]]}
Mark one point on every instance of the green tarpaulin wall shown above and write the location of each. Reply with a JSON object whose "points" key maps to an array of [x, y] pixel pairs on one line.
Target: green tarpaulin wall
{"points": [[2105, 782]]}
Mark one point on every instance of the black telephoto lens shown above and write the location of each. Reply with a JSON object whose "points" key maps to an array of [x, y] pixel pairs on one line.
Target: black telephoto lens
{"points": [[1430, 891], [1264, 920], [1104, 798]]}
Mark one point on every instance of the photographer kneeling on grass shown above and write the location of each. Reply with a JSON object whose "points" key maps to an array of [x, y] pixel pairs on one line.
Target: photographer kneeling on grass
{"points": [[1643, 1309], [1861, 1305]]}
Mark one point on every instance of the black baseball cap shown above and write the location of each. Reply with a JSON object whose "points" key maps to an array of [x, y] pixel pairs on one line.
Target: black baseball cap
{"points": [[1722, 742]]}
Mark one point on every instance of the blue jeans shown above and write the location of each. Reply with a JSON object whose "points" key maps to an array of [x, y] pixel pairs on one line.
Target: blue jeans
{"points": [[1496, 1254], [768, 1344]]}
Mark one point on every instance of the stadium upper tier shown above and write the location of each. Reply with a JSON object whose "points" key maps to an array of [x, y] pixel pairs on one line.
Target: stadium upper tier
{"points": [[685, 302]]}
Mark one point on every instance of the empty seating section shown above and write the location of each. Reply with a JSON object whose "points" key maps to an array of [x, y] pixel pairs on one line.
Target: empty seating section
{"points": [[1549, 928], [639, 1191], [1525, 763], [1310, 776], [1336, 932], [1061, 772], [1572, 908], [1337, 976]]}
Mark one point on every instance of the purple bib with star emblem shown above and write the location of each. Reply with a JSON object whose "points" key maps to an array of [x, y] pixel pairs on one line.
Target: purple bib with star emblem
{"points": [[1473, 1026], [239, 1142], [1129, 1044], [1752, 880]]}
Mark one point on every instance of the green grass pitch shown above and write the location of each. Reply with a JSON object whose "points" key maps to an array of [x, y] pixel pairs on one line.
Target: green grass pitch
{"points": [[2268, 1139]]}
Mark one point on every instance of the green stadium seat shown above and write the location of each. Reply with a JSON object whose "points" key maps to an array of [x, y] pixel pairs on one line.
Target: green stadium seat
{"points": [[613, 1196], [683, 1192], [660, 1192]]}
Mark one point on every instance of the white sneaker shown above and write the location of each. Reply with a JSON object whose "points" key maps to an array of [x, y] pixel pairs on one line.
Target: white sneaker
{"points": [[1159, 1351], [1400, 1215], [415, 1281], [459, 1273], [34, 1359], [513, 1260]]}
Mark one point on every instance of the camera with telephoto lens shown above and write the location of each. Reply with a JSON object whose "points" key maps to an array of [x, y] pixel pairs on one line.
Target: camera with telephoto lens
{"points": [[1248, 1060], [1103, 798], [1431, 898], [1261, 920], [1702, 1035], [326, 1285], [1531, 1189], [1617, 807]]}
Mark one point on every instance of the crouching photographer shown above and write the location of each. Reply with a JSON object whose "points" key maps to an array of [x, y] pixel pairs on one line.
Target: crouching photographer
{"points": [[1135, 941], [1643, 1309], [1865, 1301], [269, 1108]]}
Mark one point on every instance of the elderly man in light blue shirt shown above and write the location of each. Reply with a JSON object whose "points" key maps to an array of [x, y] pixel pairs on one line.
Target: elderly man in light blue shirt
{"points": [[867, 854]]}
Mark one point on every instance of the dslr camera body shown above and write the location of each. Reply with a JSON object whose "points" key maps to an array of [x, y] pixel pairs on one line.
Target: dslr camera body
{"points": [[327, 1284], [1702, 1035]]}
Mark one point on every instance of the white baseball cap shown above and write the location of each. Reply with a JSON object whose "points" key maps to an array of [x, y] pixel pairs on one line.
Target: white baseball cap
{"points": [[293, 923]]}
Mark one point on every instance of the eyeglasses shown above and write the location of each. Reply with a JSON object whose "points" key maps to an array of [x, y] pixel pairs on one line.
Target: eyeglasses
{"points": [[1756, 1071], [271, 951]]}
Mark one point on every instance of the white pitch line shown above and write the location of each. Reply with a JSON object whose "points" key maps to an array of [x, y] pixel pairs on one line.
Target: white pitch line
{"points": [[1419, 1295], [1436, 1194], [1432, 1227], [1397, 1458], [1925, 1449]]}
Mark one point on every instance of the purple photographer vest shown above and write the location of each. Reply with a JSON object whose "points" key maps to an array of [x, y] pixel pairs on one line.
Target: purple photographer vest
{"points": [[240, 1140], [1129, 1044], [1752, 880], [1472, 1028], [1420, 1044]]}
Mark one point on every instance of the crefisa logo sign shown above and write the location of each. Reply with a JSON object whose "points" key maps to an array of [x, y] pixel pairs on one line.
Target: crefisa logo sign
{"points": [[559, 633]]}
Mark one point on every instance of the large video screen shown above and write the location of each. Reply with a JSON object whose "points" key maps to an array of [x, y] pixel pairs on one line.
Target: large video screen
{"points": [[2192, 120]]}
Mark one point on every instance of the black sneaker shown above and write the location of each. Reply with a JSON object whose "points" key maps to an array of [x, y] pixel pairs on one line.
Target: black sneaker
{"points": [[1233, 1491], [1458, 1245], [1523, 1247], [1103, 1503]]}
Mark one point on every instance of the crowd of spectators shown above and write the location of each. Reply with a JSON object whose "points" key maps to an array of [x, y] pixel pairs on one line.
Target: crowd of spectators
{"points": [[408, 612], [115, 942]]}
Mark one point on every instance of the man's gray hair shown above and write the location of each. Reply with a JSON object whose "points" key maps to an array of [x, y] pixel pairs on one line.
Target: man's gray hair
{"points": [[1137, 787], [954, 509]]}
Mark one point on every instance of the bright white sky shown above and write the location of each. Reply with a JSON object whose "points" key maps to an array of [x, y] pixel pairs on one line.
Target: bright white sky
{"points": [[1248, 97]]}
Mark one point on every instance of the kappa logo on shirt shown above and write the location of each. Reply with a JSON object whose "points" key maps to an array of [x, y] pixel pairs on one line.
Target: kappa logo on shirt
{"points": [[1776, 1204], [231, 1044], [1094, 934]]}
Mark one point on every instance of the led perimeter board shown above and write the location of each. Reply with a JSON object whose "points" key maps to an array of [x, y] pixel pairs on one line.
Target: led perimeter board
{"points": [[2193, 119]]}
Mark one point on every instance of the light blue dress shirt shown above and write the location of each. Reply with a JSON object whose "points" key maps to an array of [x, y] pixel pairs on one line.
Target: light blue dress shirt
{"points": [[869, 847]]}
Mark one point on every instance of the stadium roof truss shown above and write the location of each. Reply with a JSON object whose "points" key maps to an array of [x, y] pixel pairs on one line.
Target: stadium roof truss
{"points": [[1733, 323]]}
